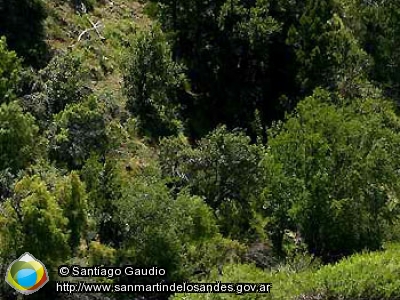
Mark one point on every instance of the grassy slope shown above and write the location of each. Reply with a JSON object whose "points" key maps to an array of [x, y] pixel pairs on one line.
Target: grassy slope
{"points": [[119, 19], [369, 276], [102, 57]]}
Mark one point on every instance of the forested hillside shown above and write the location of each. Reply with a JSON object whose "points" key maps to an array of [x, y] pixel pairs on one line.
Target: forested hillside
{"points": [[220, 140]]}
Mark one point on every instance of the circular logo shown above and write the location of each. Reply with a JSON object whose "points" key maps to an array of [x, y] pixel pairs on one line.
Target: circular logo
{"points": [[27, 274]]}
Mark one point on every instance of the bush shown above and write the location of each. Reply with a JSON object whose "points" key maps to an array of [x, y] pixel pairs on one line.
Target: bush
{"points": [[362, 276], [64, 81], [160, 231], [101, 255]]}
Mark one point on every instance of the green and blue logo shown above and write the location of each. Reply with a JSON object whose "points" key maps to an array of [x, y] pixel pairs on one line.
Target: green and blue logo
{"points": [[27, 274]]}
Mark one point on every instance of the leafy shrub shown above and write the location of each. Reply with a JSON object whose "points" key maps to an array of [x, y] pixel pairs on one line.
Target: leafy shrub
{"points": [[64, 81], [362, 276], [101, 255], [159, 230]]}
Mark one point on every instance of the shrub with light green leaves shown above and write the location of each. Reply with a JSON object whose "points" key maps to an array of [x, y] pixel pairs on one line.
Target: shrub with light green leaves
{"points": [[362, 276]]}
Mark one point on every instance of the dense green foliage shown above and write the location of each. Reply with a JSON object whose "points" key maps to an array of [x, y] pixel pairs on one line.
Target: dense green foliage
{"points": [[338, 167], [378, 31], [72, 198], [357, 277], [152, 82], [9, 72], [226, 46], [78, 131], [327, 53], [214, 170], [222, 140], [18, 137], [35, 210], [62, 82]]}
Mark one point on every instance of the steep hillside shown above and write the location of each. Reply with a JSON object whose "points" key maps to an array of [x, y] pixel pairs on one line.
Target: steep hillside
{"points": [[229, 140], [98, 34]]}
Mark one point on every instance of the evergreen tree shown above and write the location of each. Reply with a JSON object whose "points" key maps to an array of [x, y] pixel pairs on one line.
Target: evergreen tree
{"points": [[18, 138], [225, 46], [72, 198], [152, 84], [328, 55], [32, 221], [10, 68]]}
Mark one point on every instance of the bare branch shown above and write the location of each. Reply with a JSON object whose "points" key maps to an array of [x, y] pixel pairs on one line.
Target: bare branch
{"points": [[95, 27]]}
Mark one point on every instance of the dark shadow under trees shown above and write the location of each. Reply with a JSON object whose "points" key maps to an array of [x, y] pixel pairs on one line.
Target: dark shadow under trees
{"points": [[21, 22]]}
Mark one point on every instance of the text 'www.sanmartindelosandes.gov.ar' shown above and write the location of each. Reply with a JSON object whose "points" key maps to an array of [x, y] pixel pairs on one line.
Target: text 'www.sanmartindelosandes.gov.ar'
{"points": [[185, 287]]}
